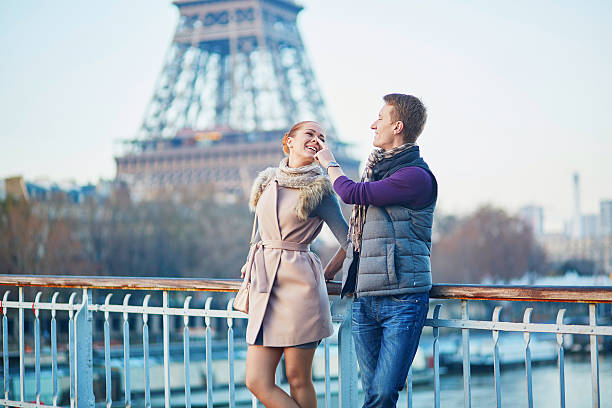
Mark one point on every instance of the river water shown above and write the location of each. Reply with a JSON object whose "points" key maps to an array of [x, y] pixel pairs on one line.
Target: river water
{"points": [[514, 387]]}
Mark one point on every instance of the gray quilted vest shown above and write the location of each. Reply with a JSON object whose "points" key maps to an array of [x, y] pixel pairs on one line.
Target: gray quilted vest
{"points": [[396, 242]]}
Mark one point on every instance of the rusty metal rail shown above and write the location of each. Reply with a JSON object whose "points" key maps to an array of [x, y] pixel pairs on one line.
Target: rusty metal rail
{"points": [[584, 294]]}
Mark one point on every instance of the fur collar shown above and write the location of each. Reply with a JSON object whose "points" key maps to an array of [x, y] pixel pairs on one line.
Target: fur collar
{"points": [[311, 195]]}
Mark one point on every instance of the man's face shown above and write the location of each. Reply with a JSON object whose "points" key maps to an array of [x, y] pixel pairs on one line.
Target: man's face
{"points": [[385, 135]]}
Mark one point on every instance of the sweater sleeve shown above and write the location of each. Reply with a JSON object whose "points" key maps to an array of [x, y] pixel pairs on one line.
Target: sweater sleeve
{"points": [[329, 210], [410, 186]]}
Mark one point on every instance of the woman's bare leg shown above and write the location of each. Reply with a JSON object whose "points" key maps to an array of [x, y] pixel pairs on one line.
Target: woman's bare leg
{"points": [[261, 366], [298, 367]]}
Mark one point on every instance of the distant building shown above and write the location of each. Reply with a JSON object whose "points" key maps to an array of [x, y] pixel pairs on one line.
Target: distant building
{"points": [[534, 216], [576, 223], [590, 225], [605, 217], [13, 187], [598, 249], [44, 190]]}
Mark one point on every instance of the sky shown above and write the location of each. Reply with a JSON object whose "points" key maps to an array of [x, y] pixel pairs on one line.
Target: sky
{"points": [[518, 92]]}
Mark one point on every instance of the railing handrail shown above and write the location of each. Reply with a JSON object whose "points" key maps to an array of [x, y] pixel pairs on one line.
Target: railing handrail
{"points": [[573, 294], [531, 293]]}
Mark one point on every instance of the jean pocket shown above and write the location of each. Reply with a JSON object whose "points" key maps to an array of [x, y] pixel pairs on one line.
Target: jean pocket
{"points": [[406, 298]]}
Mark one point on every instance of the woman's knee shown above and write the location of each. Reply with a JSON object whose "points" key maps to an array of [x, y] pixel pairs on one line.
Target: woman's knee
{"points": [[252, 383], [257, 384], [299, 378]]}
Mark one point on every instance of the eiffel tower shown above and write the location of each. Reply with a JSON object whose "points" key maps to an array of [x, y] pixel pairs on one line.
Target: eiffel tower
{"points": [[235, 79]]}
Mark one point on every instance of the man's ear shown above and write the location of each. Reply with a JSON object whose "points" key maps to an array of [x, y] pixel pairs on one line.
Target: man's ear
{"points": [[399, 127]]}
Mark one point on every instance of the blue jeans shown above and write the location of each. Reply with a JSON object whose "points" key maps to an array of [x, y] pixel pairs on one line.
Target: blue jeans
{"points": [[386, 331]]}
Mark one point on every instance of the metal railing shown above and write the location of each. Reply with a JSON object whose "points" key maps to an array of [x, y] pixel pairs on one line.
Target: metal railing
{"points": [[81, 313]]}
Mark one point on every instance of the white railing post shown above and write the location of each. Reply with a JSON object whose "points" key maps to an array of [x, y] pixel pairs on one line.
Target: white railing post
{"points": [[84, 354], [347, 359]]}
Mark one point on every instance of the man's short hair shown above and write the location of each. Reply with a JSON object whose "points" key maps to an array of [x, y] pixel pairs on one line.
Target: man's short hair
{"points": [[411, 111]]}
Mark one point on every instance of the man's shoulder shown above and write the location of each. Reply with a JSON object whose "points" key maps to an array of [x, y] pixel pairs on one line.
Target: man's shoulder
{"points": [[412, 174], [412, 169]]}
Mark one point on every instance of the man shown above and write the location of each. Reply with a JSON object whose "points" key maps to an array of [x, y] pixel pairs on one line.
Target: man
{"points": [[387, 264]]}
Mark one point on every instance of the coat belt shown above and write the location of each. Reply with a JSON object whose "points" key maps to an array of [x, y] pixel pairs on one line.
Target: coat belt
{"points": [[257, 257]]}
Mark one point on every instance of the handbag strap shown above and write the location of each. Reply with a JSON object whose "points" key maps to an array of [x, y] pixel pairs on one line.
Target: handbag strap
{"points": [[247, 276], [254, 229]]}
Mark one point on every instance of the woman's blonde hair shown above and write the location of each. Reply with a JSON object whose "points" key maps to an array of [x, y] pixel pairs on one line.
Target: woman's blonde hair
{"points": [[291, 132]]}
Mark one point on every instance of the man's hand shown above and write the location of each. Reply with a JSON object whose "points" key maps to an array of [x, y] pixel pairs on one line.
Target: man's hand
{"points": [[324, 156]]}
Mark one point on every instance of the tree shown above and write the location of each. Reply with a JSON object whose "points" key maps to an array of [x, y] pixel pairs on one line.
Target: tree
{"points": [[21, 237], [487, 244], [39, 239]]}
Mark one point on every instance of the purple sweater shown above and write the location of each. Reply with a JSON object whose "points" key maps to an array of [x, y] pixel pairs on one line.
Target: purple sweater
{"points": [[410, 186]]}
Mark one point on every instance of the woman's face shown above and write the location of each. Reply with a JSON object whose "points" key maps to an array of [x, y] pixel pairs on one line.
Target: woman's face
{"points": [[304, 143]]}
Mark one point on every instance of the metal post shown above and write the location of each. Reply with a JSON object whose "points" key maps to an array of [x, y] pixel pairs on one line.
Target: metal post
{"points": [[21, 349], [72, 350], [5, 335], [186, 358], [409, 388], [327, 373], [436, 355], [594, 357], [145, 351], [561, 360], [54, 372], [496, 371], [208, 354], [37, 345], [166, 335], [527, 338], [127, 386], [84, 354], [230, 355], [347, 360], [107, 357], [465, 335]]}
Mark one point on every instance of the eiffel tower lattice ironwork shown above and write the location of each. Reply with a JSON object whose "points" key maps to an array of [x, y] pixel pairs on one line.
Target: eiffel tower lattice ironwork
{"points": [[236, 77]]}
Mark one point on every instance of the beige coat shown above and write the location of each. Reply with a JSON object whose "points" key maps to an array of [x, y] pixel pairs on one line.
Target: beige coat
{"points": [[288, 297]]}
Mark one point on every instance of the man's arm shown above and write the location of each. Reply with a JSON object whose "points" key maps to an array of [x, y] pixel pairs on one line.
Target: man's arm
{"points": [[411, 186]]}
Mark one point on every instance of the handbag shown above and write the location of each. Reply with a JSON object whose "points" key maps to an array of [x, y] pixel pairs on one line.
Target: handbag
{"points": [[241, 301]]}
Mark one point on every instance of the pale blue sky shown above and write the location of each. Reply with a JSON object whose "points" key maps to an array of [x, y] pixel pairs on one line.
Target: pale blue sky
{"points": [[518, 91]]}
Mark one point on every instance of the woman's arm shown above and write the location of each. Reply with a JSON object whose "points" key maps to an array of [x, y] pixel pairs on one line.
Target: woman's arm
{"points": [[334, 265], [329, 210]]}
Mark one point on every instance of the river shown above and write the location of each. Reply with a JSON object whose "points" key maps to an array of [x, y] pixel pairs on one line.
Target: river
{"points": [[514, 387]]}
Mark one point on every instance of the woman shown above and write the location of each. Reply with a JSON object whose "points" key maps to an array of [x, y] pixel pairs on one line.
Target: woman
{"points": [[288, 301]]}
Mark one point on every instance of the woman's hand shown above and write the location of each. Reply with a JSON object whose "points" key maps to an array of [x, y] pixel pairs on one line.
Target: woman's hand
{"points": [[243, 271], [334, 265], [328, 274]]}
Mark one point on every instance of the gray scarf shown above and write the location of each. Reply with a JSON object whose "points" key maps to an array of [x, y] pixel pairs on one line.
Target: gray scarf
{"points": [[359, 211], [297, 177]]}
